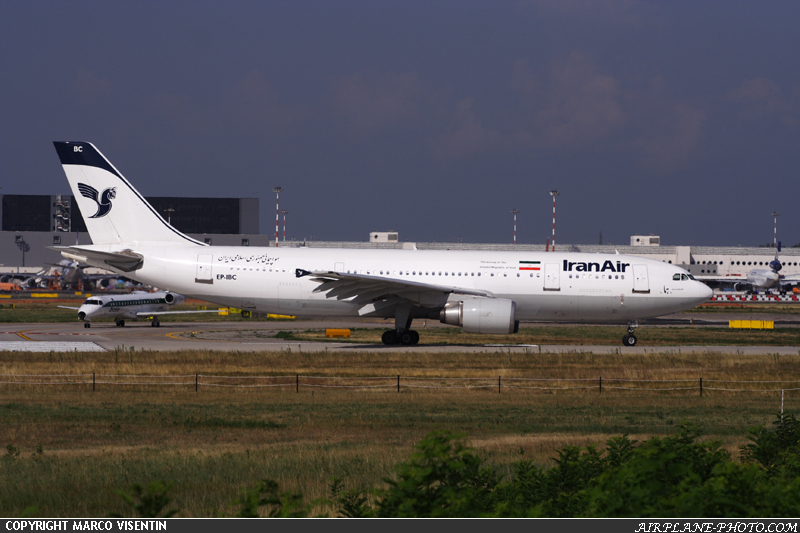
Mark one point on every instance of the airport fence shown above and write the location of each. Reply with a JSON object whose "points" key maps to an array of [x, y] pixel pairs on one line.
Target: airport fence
{"points": [[398, 383]]}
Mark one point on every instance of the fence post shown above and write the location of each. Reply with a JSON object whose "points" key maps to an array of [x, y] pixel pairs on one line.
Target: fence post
{"points": [[297, 383], [701, 387], [498, 384], [93, 381], [600, 383], [398, 382], [195, 382]]}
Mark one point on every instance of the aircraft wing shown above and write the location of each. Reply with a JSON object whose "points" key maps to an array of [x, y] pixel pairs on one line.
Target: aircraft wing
{"points": [[365, 289], [68, 307], [126, 260], [154, 313]]}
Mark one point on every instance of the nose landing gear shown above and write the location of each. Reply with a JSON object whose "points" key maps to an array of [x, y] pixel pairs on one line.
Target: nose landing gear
{"points": [[630, 339]]}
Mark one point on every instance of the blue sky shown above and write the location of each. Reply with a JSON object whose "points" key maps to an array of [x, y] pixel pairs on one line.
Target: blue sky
{"points": [[433, 119]]}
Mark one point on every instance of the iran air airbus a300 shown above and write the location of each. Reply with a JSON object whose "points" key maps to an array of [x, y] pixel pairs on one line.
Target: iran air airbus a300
{"points": [[480, 291]]}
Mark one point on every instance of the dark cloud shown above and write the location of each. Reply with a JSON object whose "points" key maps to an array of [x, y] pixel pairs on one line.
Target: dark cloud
{"points": [[431, 118]]}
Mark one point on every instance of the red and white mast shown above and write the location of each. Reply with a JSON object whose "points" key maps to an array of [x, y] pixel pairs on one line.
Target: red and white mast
{"points": [[515, 211], [554, 193], [277, 191]]}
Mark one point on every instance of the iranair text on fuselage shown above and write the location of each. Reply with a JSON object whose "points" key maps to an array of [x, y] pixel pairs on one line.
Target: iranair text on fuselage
{"points": [[605, 266]]}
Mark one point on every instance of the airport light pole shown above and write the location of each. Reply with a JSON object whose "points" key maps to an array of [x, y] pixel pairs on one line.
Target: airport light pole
{"points": [[285, 212], [515, 211], [277, 191], [775, 215], [554, 193]]}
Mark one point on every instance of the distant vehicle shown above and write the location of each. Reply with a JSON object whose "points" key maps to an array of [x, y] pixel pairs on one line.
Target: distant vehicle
{"points": [[133, 306], [480, 291], [7, 287], [759, 278]]}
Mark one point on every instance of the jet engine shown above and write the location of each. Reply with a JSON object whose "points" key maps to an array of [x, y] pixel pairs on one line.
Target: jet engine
{"points": [[482, 315], [174, 299]]}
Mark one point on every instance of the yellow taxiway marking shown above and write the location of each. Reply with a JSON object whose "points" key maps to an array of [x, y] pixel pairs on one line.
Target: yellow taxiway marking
{"points": [[195, 338], [23, 336]]}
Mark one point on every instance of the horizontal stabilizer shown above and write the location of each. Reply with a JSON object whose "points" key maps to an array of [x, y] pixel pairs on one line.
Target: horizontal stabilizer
{"points": [[126, 260]]}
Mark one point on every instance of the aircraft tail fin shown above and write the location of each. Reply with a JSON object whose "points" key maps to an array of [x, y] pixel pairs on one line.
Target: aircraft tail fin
{"points": [[114, 212]]}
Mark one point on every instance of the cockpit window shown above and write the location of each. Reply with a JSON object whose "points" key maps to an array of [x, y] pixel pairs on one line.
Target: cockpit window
{"points": [[676, 277], [691, 277], [92, 302], [684, 277]]}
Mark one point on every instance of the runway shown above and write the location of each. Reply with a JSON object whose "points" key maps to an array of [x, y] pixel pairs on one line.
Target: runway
{"points": [[260, 336]]}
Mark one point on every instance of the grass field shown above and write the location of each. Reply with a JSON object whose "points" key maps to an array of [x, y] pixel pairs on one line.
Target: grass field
{"points": [[67, 448]]}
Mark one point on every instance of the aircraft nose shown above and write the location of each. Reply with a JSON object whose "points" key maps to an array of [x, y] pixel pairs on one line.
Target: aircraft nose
{"points": [[703, 291]]}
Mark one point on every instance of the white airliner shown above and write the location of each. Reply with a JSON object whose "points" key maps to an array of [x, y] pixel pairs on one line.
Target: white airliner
{"points": [[483, 292], [758, 278], [134, 306]]}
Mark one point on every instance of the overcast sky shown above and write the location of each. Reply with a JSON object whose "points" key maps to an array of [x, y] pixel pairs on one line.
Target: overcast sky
{"points": [[432, 118]]}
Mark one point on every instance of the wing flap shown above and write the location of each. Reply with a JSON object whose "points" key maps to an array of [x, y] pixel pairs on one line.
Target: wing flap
{"points": [[365, 289]]}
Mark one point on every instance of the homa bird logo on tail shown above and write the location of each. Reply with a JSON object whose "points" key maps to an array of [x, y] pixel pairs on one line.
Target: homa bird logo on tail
{"points": [[104, 203]]}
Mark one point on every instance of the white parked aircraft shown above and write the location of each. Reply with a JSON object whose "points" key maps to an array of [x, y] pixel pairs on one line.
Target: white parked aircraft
{"points": [[134, 306], [758, 278], [483, 292]]}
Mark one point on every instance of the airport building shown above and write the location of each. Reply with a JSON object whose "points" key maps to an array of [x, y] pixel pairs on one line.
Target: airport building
{"points": [[31, 223]]}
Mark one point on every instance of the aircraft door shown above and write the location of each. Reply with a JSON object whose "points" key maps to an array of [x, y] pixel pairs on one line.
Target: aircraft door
{"points": [[204, 269], [640, 281], [552, 277]]}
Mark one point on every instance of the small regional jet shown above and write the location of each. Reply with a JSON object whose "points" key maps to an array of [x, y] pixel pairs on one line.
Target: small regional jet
{"points": [[480, 291], [133, 306]]}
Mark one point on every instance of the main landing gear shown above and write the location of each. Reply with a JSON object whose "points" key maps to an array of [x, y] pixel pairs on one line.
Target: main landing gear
{"points": [[630, 339], [155, 323], [401, 334], [119, 322], [407, 337], [87, 325]]}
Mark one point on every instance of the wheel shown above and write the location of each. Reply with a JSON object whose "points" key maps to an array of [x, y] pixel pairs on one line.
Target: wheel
{"points": [[390, 337], [407, 338], [415, 336], [122, 323], [87, 325], [629, 340]]}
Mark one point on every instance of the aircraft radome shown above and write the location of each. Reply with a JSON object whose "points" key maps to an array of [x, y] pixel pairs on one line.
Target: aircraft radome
{"points": [[480, 291]]}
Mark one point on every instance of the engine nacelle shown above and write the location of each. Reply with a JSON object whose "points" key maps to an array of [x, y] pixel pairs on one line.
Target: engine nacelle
{"points": [[482, 315], [174, 299]]}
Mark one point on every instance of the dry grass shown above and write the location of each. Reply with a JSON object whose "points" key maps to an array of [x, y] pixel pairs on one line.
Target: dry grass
{"points": [[218, 441]]}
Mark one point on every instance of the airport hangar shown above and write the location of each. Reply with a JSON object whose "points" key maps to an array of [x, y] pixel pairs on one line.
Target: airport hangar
{"points": [[32, 223]]}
